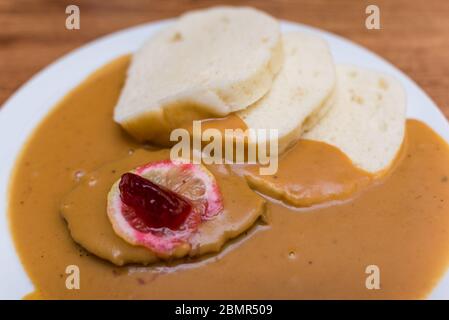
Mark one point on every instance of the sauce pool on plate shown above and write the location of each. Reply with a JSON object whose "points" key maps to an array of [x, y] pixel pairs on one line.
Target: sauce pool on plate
{"points": [[399, 223]]}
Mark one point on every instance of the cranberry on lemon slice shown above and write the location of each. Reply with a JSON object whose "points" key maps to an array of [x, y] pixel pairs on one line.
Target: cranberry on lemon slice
{"points": [[222, 207], [161, 205]]}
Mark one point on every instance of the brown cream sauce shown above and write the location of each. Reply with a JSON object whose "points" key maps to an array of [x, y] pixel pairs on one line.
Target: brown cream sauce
{"points": [[310, 173], [400, 223]]}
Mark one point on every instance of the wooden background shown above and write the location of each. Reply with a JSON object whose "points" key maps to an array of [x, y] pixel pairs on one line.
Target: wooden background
{"points": [[414, 34]]}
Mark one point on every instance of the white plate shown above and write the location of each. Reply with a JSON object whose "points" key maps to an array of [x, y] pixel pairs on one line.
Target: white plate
{"points": [[29, 105]]}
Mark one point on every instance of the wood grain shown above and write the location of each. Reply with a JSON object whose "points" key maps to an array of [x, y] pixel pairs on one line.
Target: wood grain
{"points": [[414, 34]]}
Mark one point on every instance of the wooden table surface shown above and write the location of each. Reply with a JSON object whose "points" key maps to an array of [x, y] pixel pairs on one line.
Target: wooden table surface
{"points": [[414, 34]]}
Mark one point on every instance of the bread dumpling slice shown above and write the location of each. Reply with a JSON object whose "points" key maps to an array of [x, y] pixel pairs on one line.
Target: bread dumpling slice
{"points": [[300, 93], [367, 119], [208, 63], [357, 140]]}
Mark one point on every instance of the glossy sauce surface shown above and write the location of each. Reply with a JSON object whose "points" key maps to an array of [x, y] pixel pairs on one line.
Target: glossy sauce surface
{"points": [[310, 173], [400, 223]]}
